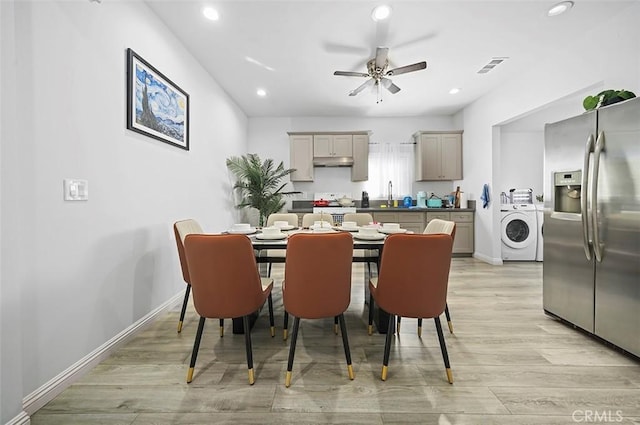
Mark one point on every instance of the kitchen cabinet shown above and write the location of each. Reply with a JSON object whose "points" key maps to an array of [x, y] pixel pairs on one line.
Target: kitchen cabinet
{"points": [[325, 145], [360, 167], [464, 242], [412, 221], [301, 155], [438, 155], [305, 146]]}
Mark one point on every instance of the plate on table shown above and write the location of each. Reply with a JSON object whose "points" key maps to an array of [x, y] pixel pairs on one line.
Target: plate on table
{"points": [[376, 237], [264, 237], [242, 231], [391, 231], [347, 229], [289, 227]]}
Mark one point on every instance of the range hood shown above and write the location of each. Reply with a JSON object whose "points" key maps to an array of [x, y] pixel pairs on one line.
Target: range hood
{"points": [[332, 161]]}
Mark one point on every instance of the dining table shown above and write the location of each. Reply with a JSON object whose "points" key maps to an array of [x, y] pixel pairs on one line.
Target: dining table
{"points": [[372, 245]]}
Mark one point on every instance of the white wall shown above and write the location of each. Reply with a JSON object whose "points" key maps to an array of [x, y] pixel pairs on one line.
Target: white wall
{"points": [[522, 161], [268, 137], [609, 55], [75, 274]]}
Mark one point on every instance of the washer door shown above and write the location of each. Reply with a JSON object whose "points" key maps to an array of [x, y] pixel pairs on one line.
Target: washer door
{"points": [[518, 230]]}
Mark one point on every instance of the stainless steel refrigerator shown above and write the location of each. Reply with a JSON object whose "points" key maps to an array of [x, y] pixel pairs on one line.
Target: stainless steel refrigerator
{"points": [[591, 272]]}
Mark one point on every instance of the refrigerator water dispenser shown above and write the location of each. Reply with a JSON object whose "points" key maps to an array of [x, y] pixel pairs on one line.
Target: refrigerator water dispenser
{"points": [[568, 190]]}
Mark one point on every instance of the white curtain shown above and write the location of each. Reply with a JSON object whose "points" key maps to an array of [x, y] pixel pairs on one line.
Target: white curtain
{"points": [[390, 162]]}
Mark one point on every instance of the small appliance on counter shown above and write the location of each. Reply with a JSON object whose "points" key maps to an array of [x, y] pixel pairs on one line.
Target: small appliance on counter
{"points": [[407, 201], [434, 202], [421, 200], [364, 202]]}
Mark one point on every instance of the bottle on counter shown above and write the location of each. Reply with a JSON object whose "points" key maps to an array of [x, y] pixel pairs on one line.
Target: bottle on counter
{"points": [[457, 198]]}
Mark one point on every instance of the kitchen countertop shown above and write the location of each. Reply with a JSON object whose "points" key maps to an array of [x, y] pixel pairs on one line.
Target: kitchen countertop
{"points": [[392, 209]]}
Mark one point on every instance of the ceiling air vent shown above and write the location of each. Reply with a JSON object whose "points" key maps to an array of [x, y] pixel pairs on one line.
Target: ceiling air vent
{"points": [[492, 64]]}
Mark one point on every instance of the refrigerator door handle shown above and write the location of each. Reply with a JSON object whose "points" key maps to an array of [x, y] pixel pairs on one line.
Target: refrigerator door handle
{"points": [[584, 207], [598, 247]]}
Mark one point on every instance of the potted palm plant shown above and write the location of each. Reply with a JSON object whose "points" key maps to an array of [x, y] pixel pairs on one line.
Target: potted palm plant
{"points": [[258, 184]]}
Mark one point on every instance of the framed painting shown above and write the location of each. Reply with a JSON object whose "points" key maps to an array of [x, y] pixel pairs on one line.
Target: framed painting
{"points": [[156, 106]]}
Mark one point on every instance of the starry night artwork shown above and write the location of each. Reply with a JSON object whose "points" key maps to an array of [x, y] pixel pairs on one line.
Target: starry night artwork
{"points": [[156, 107]]}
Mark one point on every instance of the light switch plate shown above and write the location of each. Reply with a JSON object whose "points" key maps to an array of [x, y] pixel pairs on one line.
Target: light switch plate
{"points": [[76, 190]]}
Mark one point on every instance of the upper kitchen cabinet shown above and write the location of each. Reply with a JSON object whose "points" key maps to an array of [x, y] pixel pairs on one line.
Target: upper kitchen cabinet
{"points": [[360, 167], [325, 145], [438, 155], [329, 149], [301, 151]]}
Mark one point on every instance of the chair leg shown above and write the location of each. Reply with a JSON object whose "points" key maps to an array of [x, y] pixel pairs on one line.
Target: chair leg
{"points": [[221, 328], [345, 342], [443, 348], [335, 325], [269, 270], [272, 323], [285, 326], [247, 341], [292, 351], [446, 313], [184, 307], [420, 327], [387, 348], [196, 347], [398, 325], [370, 327]]}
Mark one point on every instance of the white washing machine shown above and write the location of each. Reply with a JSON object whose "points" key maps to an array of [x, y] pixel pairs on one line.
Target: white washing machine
{"points": [[519, 232], [540, 221]]}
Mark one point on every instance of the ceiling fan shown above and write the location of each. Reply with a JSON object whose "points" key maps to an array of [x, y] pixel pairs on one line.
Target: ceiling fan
{"points": [[377, 73]]}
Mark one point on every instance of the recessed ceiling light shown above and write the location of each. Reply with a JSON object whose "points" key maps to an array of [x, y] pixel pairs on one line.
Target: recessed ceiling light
{"points": [[380, 13], [454, 90], [261, 92], [560, 8], [210, 13]]}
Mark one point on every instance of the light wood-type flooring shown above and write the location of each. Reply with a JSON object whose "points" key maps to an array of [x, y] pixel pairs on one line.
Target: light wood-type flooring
{"points": [[511, 364]]}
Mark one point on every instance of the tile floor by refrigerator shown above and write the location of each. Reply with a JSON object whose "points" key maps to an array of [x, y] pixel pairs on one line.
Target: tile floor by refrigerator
{"points": [[511, 365]]}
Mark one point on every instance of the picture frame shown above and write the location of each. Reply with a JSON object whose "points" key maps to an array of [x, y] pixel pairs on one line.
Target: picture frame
{"points": [[156, 106]]}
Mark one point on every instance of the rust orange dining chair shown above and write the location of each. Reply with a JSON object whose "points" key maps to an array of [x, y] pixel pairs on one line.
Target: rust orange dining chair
{"points": [[417, 295], [317, 284], [226, 284]]}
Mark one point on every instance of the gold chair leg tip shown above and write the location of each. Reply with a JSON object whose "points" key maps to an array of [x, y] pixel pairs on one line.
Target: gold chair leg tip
{"points": [[419, 331], [398, 329], [370, 330], [352, 376], [252, 378], [190, 375], [284, 335], [449, 376], [180, 326], [273, 331], [335, 329], [384, 373], [221, 331], [450, 327], [287, 380]]}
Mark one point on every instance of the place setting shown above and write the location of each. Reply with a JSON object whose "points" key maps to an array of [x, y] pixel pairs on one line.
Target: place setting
{"points": [[369, 233], [284, 226], [321, 227], [347, 226], [391, 228], [271, 233], [242, 229]]}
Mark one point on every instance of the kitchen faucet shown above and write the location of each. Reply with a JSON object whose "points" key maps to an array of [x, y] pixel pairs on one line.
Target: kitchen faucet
{"points": [[390, 196]]}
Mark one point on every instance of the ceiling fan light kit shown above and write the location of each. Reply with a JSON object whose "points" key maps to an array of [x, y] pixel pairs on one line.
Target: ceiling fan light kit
{"points": [[378, 73], [380, 13]]}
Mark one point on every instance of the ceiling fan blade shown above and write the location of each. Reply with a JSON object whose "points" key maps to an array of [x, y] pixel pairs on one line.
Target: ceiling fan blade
{"points": [[381, 57], [362, 86], [350, 74], [388, 84], [408, 68]]}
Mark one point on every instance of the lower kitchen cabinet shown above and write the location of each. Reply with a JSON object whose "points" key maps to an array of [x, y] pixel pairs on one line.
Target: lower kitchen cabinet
{"points": [[412, 221], [464, 242]]}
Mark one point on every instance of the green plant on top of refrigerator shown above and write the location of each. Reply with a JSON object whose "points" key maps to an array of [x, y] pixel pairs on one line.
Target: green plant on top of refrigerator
{"points": [[606, 97]]}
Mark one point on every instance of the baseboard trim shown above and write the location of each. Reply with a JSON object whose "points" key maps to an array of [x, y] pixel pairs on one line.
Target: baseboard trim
{"points": [[47, 392], [22, 419], [486, 259]]}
